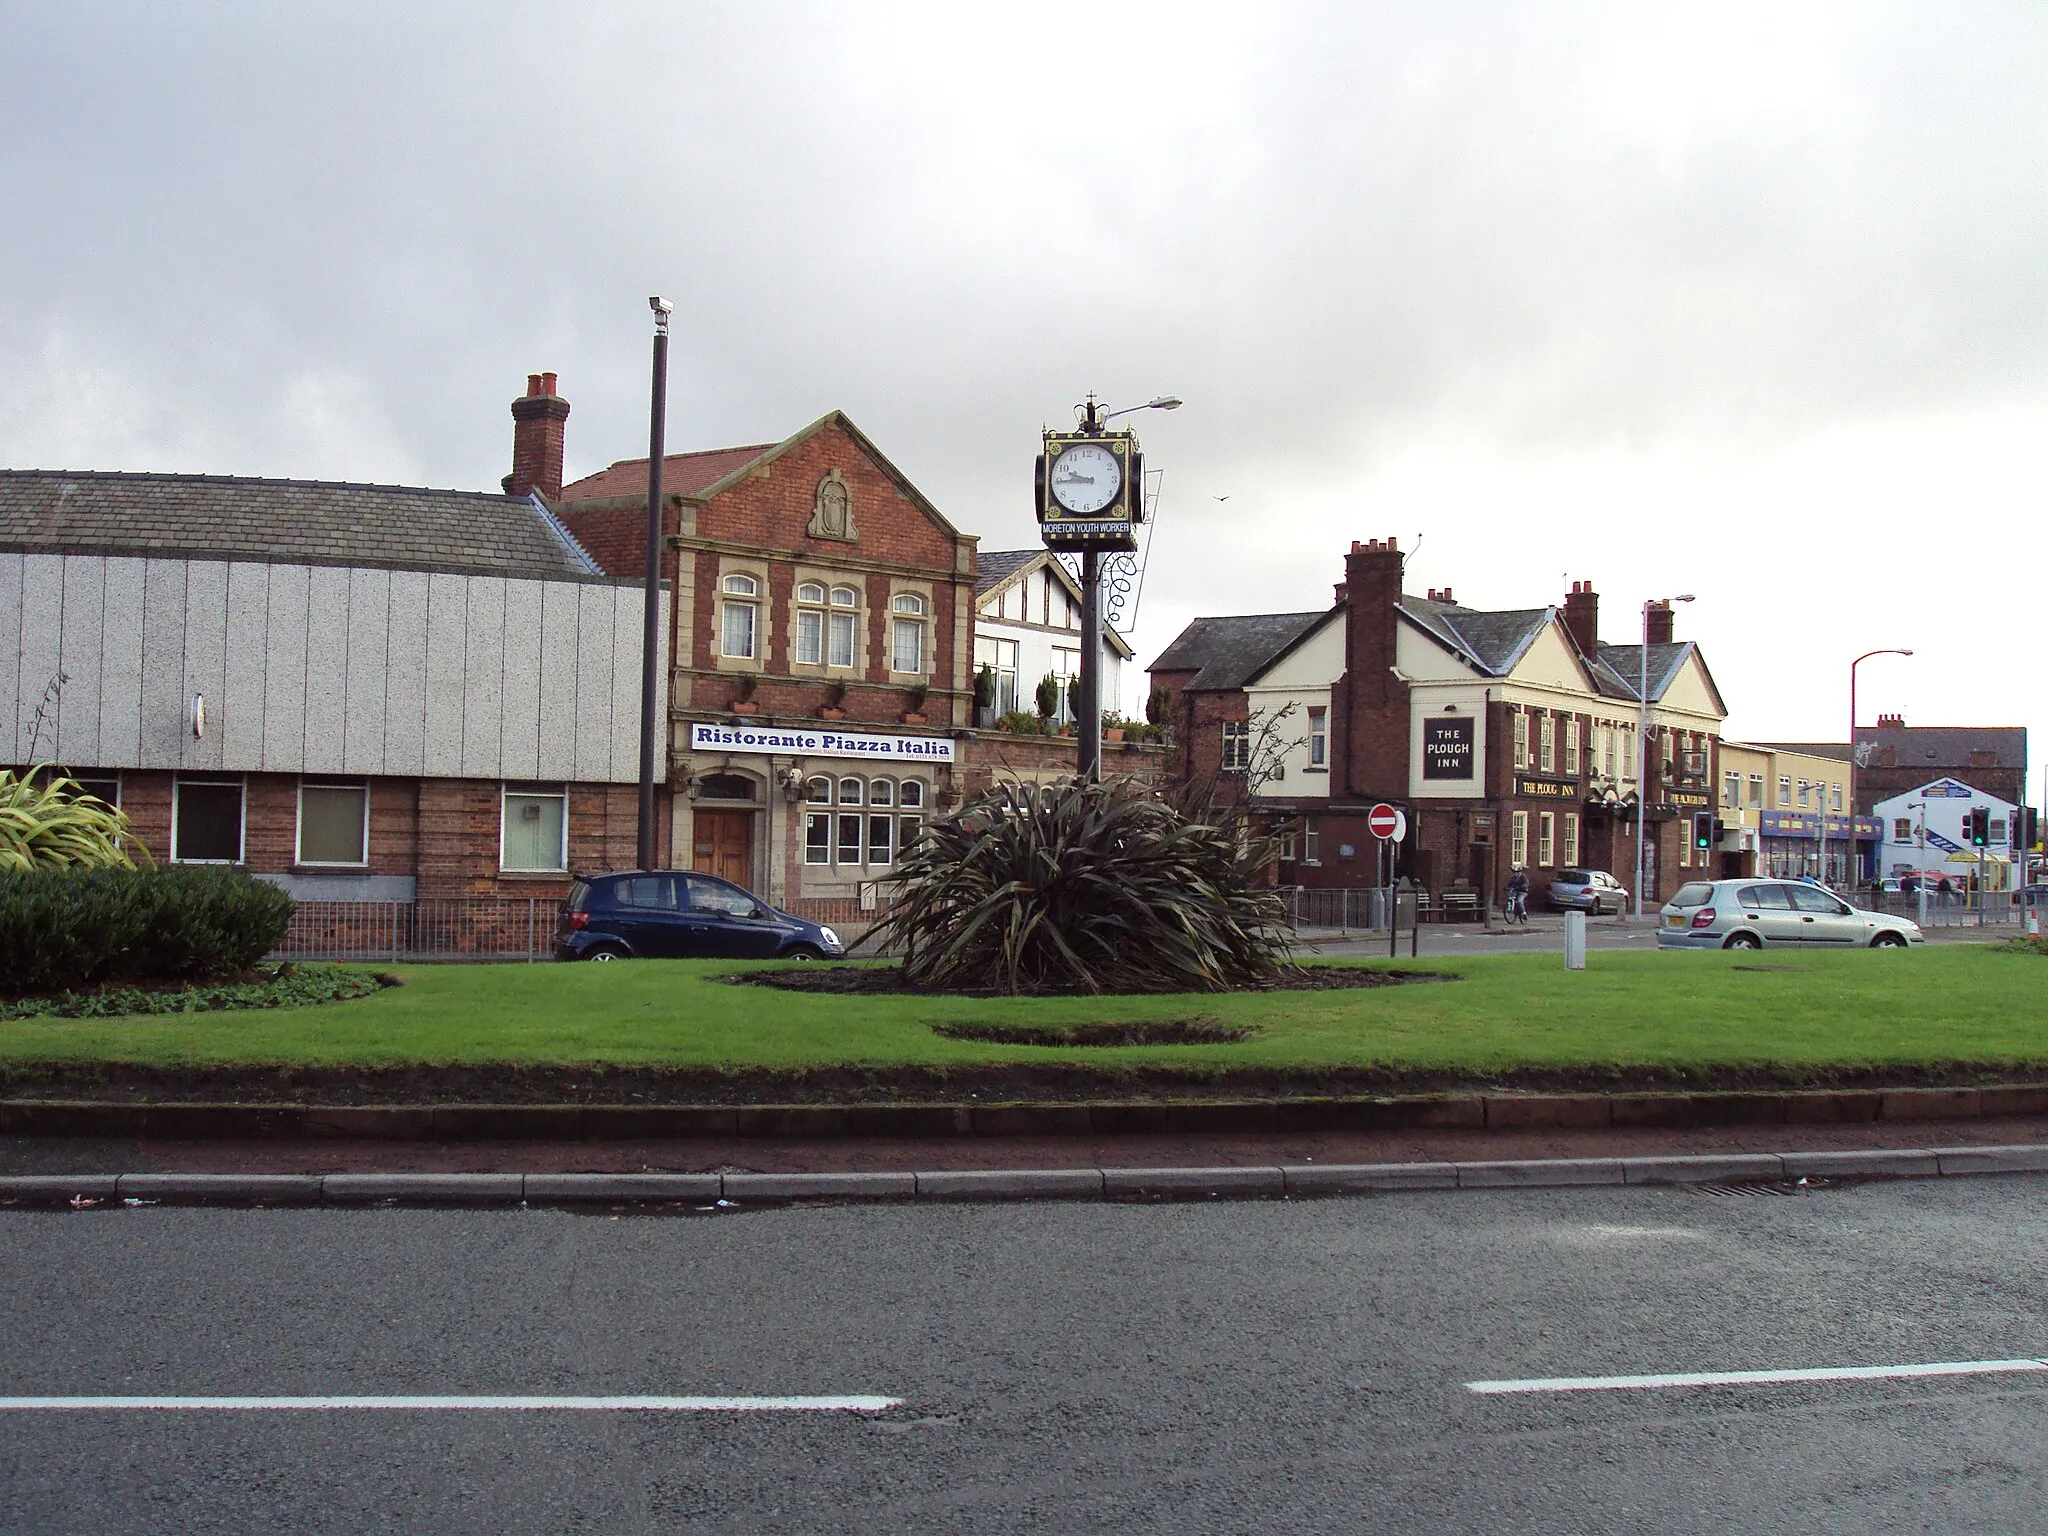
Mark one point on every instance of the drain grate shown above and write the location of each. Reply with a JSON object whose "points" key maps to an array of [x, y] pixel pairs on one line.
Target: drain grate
{"points": [[1731, 1187]]}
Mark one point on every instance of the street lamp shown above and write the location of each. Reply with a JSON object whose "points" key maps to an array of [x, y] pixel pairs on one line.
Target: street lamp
{"points": [[1088, 721], [1643, 737], [1851, 807], [650, 611]]}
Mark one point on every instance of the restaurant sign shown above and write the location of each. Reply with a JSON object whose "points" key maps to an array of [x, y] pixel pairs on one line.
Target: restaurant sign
{"points": [[805, 741], [1689, 800], [1546, 789]]}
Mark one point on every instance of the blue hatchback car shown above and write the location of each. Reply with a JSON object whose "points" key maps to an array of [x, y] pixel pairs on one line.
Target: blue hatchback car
{"points": [[674, 914]]}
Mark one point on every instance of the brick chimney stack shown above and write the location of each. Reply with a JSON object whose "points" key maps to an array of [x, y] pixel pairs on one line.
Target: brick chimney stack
{"points": [[1658, 624], [1369, 707], [1582, 618], [538, 430], [1891, 722]]}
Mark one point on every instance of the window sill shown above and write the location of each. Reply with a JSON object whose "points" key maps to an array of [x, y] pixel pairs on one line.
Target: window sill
{"points": [[303, 868], [535, 874], [1324, 771]]}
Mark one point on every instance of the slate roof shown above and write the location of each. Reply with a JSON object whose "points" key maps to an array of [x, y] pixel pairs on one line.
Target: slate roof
{"points": [[310, 522], [1493, 642], [1943, 746], [682, 474], [994, 566], [1227, 653], [1620, 668]]}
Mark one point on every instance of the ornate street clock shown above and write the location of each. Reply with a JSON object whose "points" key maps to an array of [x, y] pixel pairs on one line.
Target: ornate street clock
{"points": [[1090, 492]]}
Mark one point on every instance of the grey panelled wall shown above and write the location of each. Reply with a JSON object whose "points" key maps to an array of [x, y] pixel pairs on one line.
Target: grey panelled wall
{"points": [[318, 669]]}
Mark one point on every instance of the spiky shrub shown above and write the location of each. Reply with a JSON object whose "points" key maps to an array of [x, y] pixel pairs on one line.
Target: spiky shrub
{"points": [[1077, 887], [47, 821]]}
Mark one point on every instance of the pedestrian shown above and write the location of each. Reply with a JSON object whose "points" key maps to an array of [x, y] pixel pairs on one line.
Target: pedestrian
{"points": [[1518, 896], [1944, 891]]}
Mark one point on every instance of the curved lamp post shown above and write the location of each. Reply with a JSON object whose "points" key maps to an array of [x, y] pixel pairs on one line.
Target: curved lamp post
{"points": [[1887, 651]]}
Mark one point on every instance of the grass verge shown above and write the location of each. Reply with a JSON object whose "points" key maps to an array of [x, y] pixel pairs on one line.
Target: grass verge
{"points": [[1789, 1014]]}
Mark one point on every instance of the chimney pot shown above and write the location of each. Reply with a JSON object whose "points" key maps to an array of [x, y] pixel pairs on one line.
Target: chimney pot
{"points": [[547, 383], [532, 385]]}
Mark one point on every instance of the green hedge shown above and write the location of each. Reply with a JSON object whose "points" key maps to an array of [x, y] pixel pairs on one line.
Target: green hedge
{"points": [[69, 928]]}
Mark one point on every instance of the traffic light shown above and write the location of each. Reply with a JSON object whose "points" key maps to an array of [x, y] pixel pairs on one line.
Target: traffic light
{"points": [[2030, 834], [1703, 829], [1980, 827]]}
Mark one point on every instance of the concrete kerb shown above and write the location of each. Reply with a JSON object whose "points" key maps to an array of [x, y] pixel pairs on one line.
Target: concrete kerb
{"points": [[767, 1189]]}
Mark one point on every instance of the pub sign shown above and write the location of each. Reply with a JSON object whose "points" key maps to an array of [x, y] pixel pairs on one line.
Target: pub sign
{"points": [[1447, 746]]}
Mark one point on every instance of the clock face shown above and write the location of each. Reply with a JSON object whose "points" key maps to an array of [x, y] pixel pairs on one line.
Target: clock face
{"points": [[1085, 478]]}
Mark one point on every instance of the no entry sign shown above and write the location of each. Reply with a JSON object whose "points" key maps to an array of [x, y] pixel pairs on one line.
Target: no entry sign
{"points": [[1386, 823]]}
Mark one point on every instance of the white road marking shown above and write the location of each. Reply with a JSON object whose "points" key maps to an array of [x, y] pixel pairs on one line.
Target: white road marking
{"points": [[462, 1404], [1754, 1378]]}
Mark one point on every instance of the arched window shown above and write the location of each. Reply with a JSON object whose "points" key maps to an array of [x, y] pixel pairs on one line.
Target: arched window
{"points": [[881, 792], [906, 633], [844, 621], [818, 791], [850, 792], [913, 793], [810, 623], [725, 786], [739, 632]]}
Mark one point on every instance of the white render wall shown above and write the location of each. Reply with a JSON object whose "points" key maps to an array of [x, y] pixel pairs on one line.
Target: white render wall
{"points": [[319, 669]]}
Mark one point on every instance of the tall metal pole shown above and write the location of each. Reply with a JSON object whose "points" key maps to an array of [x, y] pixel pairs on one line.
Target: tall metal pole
{"points": [[1642, 756], [1088, 728], [650, 639]]}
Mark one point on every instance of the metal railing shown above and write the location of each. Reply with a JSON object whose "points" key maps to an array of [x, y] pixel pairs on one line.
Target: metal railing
{"points": [[448, 928], [1959, 909]]}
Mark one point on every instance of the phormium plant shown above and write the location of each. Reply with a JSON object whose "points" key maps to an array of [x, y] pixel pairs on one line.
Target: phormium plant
{"points": [[48, 821], [1081, 887]]}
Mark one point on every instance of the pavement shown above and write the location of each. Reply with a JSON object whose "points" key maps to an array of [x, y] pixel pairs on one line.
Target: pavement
{"points": [[1319, 1365]]}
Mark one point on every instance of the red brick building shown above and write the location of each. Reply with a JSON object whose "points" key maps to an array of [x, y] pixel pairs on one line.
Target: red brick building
{"points": [[1508, 737], [821, 654]]}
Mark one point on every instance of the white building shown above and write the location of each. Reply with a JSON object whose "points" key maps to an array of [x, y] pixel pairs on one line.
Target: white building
{"points": [[1928, 829], [1027, 625]]}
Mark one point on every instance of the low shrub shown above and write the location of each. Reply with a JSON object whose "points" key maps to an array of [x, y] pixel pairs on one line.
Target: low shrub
{"points": [[68, 928], [287, 987], [1020, 722]]}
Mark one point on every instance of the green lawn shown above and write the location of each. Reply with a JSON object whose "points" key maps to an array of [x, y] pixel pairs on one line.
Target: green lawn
{"points": [[1960, 1004]]}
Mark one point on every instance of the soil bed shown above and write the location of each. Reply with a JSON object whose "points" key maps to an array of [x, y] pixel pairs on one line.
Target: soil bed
{"points": [[1137, 1032], [1049, 1082], [878, 981]]}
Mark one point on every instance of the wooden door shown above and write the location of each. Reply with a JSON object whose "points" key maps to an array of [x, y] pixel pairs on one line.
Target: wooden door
{"points": [[723, 845]]}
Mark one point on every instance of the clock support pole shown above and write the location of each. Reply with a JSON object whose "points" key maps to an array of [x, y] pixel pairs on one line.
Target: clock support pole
{"points": [[1088, 721]]}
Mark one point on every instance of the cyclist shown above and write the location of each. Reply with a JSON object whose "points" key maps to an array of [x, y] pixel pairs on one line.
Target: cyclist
{"points": [[1518, 896]]}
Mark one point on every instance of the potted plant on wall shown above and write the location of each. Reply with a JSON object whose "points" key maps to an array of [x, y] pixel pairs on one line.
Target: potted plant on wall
{"points": [[1047, 697], [914, 715], [984, 697], [1112, 725], [746, 703], [835, 701], [1159, 711]]}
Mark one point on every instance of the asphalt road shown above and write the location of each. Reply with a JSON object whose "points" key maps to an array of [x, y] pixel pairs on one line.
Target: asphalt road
{"points": [[1070, 1368], [1544, 934]]}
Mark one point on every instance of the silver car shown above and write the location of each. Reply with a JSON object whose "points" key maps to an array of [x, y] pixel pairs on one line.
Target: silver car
{"points": [[1748, 914], [1587, 890]]}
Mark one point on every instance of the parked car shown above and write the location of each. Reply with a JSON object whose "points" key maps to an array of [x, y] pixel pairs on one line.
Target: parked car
{"points": [[1587, 890], [673, 914], [1748, 914]]}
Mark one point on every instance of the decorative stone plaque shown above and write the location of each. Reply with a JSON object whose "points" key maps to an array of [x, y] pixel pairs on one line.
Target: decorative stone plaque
{"points": [[832, 512]]}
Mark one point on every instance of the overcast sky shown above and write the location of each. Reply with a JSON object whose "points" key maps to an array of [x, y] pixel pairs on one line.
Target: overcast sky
{"points": [[1749, 302]]}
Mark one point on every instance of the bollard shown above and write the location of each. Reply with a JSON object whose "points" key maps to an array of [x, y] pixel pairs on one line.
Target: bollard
{"points": [[1575, 941], [2033, 923]]}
